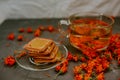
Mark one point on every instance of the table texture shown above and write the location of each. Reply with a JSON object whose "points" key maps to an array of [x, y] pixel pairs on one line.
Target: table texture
{"points": [[18, 73]]}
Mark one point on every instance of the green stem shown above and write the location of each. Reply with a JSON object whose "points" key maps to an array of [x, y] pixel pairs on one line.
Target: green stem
{"points": [[57, 75]]}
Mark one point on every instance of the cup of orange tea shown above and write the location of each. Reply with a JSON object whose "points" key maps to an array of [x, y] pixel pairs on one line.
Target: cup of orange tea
{"points": [[87, 31]]}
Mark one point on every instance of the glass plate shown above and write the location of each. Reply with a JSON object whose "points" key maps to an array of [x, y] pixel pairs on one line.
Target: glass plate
{"points": [[27, 63]]}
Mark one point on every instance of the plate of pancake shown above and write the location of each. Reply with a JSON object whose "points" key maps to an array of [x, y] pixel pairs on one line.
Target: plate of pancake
{"points": [[41, 54]]}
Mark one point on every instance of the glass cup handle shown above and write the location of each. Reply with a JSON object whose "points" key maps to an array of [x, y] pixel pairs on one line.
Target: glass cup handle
{"points": [[63, 27]]}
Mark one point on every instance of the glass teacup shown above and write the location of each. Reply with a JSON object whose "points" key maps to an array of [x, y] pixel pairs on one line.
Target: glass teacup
{"points": [[87, 31]]}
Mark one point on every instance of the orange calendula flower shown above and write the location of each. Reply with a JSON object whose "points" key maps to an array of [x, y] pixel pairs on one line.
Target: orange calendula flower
{"points": [[65, 62], [100, 76], [75, 58], [20, 37], [77, 69], [69, 57], [50, 28], [83, 65], [37, 33], [78, 77], [99, 68], [10, 61], [57, 68], [87, 76], [83, 59], [11, 36], [63, 69], [118, 44], [29, 30], [117, 51], [105, 64], [114, 38], [108, 55]]}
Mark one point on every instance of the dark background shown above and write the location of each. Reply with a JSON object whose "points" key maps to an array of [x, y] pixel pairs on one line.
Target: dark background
{"points": [[18, 73]]}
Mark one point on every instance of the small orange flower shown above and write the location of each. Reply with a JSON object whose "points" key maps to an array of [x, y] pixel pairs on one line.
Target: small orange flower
{"points": [[105, 64], [77, 70], [83, 65], [11, 36], [50, 28], [65, 62], [29, 30], [118, 44], [87, 76], [117, 51], [57, 68], [20, 37], [83, 59], [37, 33], [10, 61], [69, 57], [75, 58], [63, 69], [100, 76], [78, 77], [99, 68]]}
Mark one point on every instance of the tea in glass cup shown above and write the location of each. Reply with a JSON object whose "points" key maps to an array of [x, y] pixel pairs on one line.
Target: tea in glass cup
{"points": [[88, 31]]}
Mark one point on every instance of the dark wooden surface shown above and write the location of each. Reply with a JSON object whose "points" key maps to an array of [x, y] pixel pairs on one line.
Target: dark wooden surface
{"points": [[18, 73]]}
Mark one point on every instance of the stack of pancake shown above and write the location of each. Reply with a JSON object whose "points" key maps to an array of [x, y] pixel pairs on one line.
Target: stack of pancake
{"points": [[42, 50]]}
